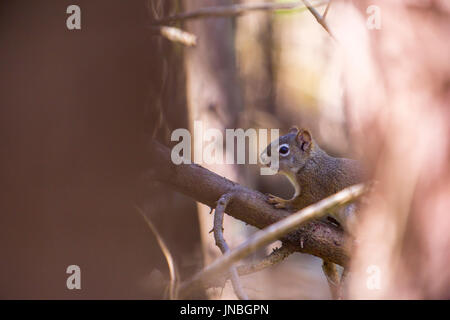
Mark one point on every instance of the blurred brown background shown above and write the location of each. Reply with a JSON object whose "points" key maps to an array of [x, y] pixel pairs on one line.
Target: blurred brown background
{"points": [[72, 137]]}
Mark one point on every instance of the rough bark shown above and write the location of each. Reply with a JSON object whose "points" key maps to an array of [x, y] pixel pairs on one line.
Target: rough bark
{"points": [[318, 238]]}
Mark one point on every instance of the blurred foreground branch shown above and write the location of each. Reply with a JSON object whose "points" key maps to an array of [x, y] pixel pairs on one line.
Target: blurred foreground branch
{"points": [[274, 232], [176, 35], [320, 19], [237, 10]]}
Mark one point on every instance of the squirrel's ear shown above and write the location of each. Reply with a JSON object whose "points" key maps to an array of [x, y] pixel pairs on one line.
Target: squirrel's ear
{"points": [[304, 139], [293, 129]]}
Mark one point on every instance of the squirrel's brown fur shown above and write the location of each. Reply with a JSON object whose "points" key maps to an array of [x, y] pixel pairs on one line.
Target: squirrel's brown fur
{"points": [[315, 175]]}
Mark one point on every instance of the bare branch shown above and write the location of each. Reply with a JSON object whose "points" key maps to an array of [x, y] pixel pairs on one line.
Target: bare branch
{"points": [[326, 10], [223, 246], [275, 257], [174, 276], [176, 35], [318, 17], [274, 232], [235, 10], [318, 237]]}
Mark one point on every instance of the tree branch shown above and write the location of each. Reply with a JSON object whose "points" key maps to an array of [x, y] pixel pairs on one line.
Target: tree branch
{"points": [[273, 232], [318, 237], [275, 257], [324, 15], [223, 246], [235, 10], [173, 271], [318, 17], [176, 35]]}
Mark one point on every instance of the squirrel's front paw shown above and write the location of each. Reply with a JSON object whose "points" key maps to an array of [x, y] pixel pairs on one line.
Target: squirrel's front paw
{"points": [[277, 202]]}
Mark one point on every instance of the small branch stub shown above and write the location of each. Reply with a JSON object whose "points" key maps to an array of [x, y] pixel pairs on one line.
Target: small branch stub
{"points": [[177, 35]]}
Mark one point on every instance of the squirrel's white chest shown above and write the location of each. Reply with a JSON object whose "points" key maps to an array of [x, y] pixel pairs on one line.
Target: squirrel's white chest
{"points": [[293, 179]]}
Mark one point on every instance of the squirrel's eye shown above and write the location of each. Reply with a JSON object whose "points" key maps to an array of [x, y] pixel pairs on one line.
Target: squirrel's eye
{"points": [[284, 150]]}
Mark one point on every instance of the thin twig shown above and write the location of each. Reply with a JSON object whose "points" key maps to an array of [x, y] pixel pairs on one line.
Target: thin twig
{"points": [[324, 15], [274, 232], [273, 258], [318, 17], [174, 276], [176, 35], [222, 244], [234, 10]]}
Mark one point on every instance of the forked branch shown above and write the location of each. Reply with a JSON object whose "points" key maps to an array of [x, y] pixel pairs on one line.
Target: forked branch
{"points": [[318, 237], [223, 246], [320, 19], [274, 232]]}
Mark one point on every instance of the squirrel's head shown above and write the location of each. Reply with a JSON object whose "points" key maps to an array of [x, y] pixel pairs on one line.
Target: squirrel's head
{"points": [[293, 150]]}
